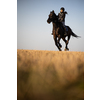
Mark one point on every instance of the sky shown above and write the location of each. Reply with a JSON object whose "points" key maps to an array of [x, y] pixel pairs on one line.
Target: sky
{"points": [[33, 31]]}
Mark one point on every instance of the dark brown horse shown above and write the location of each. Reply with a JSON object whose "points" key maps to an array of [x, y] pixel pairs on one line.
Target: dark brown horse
{"points": [[58, 31]]}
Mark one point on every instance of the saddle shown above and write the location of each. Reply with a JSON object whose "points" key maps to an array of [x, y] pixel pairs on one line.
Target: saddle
{"points": [[65, 28]]}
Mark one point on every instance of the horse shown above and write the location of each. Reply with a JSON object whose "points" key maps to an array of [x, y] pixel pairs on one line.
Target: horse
{"points": [[59, 32]]}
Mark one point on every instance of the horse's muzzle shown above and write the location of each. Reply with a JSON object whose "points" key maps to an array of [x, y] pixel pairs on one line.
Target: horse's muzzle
{"points": [[48, 21]]}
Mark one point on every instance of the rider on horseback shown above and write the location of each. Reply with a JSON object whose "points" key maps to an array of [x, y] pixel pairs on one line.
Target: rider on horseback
{"points": [[61, 18]]}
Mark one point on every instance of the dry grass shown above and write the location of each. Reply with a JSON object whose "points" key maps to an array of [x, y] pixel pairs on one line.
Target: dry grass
{"points": [[50, 75]]}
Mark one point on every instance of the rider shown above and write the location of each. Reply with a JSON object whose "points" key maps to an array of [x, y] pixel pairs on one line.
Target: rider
{"points": [[61, 17]]}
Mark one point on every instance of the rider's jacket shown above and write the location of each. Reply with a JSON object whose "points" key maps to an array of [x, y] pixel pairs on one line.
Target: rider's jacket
{"points": [[61, 16]]}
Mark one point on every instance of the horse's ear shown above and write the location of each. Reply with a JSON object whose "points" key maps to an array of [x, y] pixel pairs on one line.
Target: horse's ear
{"points": [[53, 11]]}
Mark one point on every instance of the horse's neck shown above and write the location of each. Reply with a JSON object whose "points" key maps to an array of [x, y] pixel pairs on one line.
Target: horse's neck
{"points": [[55, 25]]}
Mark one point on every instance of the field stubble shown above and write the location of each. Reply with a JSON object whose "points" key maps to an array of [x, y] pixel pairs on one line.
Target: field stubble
{"points": [[50, 75]]}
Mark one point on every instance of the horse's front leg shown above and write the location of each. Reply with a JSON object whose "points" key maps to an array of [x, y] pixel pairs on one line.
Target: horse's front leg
{"points": [[56, 43]]}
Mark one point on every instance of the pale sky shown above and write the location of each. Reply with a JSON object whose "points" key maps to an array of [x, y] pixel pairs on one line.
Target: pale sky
{"points": [[33, 31]]}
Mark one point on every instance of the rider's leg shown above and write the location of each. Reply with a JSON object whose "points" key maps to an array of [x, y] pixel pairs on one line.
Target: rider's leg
{"points": [[64, 28]]}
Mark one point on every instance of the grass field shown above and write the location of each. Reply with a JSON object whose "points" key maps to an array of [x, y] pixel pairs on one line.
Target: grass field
{"points": [[50, 75]]}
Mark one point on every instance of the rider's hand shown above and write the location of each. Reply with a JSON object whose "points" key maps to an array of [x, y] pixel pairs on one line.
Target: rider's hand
{"points": [[66, 12]]}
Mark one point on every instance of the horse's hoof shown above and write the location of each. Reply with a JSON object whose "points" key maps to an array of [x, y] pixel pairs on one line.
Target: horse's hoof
{"points": [[60, 50], [66, 49]]}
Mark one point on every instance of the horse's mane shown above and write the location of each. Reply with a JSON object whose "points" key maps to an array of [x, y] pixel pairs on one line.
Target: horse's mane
{"points": [[56, 20], [55, 15]]}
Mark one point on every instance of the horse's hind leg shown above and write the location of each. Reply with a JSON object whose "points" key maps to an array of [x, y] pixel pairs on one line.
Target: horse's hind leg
{"points": [[68, 38], [66, 42]]}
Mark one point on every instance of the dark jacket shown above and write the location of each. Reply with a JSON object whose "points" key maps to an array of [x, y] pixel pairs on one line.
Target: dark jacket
{"points": [[61, 16]]}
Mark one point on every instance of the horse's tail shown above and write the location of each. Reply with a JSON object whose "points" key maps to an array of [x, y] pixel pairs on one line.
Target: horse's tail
{"points": [[73, 34]]}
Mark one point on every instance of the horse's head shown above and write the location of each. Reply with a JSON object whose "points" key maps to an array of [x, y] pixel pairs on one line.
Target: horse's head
{"points": [[52, 17]]}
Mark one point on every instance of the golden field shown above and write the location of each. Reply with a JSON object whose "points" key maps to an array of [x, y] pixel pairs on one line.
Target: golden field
{"points": [[50, 75]]}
